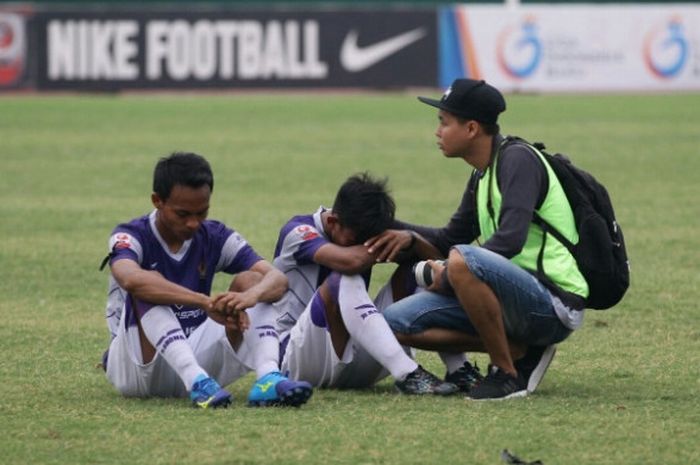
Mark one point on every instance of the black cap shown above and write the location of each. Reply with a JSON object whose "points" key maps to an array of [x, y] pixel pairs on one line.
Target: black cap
{"points": [[470, 99]]}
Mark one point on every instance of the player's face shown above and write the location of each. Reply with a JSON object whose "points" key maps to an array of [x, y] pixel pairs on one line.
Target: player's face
{"points": [[344, 236], [181, 214], [340, 235], [455, 136]]}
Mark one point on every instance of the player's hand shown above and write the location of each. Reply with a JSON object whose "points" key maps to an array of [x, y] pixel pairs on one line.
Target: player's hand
{"points": [[237, 320], [231, 301], [387, 245]]}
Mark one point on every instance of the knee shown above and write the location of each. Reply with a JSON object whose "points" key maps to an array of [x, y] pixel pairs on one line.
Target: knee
{"points": [[396, 319], [337, 283], [404, 339], [458, 273]]}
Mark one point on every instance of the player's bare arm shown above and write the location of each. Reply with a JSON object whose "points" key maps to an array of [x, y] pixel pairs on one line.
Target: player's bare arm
{"points": [[151, 286], [349, 260], [390, 244], [270, 288]]}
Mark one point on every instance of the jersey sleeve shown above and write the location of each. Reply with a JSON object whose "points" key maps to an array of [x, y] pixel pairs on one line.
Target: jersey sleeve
{"points": [[123, 243], [298, 244], [236, 254], [303, 241]]}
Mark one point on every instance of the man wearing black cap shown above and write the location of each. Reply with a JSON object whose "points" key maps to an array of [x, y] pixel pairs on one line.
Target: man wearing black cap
{"points": [[487, 297]]}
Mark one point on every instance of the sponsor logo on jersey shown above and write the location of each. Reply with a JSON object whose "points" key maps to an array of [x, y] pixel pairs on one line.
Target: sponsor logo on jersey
{"points": [[123, 241], [306, 232]]}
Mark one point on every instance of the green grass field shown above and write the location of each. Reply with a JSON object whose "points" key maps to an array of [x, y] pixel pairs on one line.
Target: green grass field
{"points": [[622, 390]]}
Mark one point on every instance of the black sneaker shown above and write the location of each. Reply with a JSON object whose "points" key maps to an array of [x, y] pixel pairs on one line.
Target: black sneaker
{"points": [[499, 385], [534, 364], [421, 382], [466, 377]]}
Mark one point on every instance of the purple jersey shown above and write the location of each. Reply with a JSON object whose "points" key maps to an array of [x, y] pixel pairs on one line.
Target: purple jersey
{"points": [[298, 241], [213, 248], [297, 244]]}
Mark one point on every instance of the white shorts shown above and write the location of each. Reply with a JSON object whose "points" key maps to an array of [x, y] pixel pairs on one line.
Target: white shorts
{"points": [[310, 355], [133, 378]]}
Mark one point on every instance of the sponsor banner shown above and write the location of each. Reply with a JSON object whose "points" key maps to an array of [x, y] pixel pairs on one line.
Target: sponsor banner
{"points": [[573, 47], [13, 49], [236, 49]]}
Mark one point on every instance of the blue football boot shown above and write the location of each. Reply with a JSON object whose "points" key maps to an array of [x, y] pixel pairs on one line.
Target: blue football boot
{"points": [[207, 393], [275, 389]]}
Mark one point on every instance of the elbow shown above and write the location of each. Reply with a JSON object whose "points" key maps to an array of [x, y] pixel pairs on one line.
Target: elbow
{"points": [[129, 284]]}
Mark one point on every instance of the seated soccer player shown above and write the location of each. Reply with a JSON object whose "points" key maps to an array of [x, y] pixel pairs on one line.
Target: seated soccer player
{"points": [[169, 336], [334, 334]]}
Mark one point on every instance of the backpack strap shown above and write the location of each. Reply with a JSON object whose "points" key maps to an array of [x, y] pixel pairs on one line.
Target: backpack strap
{"points": [[548, 228], [489, 201]]}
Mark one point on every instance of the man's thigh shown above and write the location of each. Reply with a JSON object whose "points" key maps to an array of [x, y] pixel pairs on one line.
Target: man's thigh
{"points": [[133, 378], [425, 310], [309, 355], [528, 312]]}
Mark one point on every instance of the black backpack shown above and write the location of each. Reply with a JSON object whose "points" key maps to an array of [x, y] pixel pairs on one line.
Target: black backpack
{"points": [[600, 252]]}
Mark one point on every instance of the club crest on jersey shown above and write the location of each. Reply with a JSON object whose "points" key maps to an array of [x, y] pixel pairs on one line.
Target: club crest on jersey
{"points": [[306, 232], [123, 241]]}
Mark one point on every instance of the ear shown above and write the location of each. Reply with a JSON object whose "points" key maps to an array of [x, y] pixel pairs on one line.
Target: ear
{"points": [[332, 220], [157, 201], [473, 127]]}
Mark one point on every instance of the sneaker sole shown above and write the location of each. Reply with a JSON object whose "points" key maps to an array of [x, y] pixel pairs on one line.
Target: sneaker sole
{"points": [[513, 395], [541, 369], [447, 389], [442, 391]]}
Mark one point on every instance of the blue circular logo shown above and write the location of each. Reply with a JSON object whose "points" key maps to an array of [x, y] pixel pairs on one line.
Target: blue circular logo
{"points": [[519, 50], [666, 50]]}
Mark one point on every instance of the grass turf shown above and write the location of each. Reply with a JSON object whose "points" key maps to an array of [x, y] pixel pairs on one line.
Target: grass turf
{"points": [[623, 389]]}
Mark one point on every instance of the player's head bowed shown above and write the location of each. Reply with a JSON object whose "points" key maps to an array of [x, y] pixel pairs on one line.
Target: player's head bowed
{"points": [[364, 205], [181, 168]]}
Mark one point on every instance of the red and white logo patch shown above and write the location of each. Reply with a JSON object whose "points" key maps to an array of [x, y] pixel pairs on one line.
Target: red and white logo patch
{"points": [[122, 241], [306, 232]]}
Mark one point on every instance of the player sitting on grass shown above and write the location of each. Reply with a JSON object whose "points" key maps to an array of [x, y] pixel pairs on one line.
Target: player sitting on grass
{"points": [[337, 335], [169, 337]]}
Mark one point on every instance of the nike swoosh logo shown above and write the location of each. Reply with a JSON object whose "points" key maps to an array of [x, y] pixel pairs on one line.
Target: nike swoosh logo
{"points": [[355, 59]]}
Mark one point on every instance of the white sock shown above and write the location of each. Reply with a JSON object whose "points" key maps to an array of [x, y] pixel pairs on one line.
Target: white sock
{"points": [[369, 328], [263, 341], [453, 361], [163, 331]]}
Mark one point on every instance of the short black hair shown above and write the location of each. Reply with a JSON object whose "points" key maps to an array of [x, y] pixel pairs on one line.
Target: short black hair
{"points": [[490, 129], [364, 205], [184, 168]]}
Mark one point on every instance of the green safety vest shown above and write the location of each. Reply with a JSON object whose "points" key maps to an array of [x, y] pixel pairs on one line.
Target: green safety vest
{"points": [[557, 262]]}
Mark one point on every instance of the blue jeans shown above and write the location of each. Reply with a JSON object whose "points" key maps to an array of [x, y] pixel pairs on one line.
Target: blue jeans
{"points": [[527, 309]]}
